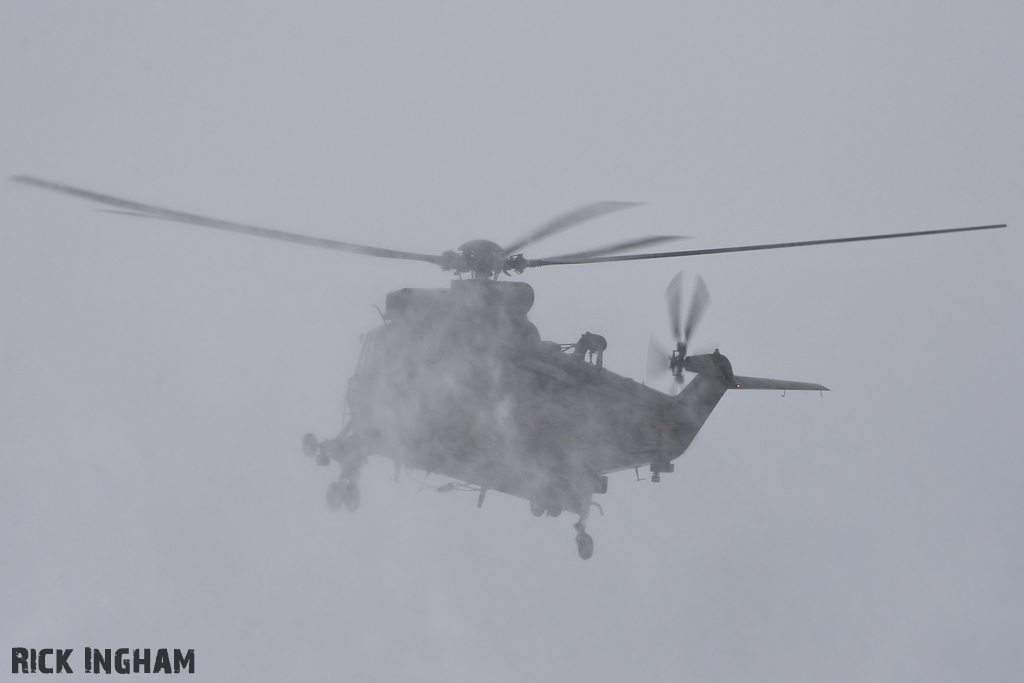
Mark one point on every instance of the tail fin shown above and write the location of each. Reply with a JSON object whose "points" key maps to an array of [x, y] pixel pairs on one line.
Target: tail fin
{"points": [[688, 411], [762, 383], [718, 366]]}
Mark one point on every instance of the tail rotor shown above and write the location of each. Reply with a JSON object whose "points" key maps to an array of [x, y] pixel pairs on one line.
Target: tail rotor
{"points": [[659, 361]]}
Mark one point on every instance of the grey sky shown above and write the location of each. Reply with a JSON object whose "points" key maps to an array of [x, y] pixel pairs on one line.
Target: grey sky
{"points": [[155, 379]]}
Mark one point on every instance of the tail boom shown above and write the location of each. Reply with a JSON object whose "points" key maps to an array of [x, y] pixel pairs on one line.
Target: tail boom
{"points": [[688, 411]]}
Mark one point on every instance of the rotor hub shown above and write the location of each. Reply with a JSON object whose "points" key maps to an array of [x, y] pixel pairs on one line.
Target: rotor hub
{"points": [[482, 258]]}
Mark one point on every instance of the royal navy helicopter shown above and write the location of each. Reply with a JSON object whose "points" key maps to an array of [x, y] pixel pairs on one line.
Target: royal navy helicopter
{"points": [[459, 382]]}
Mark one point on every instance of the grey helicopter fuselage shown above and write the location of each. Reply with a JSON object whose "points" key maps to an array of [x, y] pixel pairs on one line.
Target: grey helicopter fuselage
{"points": [[458, 382]]}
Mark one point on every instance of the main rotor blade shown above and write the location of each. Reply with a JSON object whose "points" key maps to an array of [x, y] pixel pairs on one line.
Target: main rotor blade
{"points": [[133, 208], [567, 220], [535, 263], [701, 299], [621, 246], [674, 299]]}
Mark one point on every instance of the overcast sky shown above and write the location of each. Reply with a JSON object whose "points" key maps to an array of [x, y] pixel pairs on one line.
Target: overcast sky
{"points": [[156, 379]]}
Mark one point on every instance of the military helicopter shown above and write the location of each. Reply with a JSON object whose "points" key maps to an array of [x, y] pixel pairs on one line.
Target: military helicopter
{"points": [[458, 381]]}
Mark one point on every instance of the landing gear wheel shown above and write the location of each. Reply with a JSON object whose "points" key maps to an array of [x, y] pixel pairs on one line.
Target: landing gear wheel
{"points": [[585, 545], [335, 496], [351, 496], [310, 445], [554, 511], [536, 508], [343, 494]]}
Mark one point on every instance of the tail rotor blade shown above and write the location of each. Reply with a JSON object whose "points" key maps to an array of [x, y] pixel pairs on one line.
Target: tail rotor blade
{"points": [[674, 298], [701, 299], [657, 361]]}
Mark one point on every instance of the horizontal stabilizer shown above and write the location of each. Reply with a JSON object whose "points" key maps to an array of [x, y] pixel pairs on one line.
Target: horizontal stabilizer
{"points": [[762, 383]]}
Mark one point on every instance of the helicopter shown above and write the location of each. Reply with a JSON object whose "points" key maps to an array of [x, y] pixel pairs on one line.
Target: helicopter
{"points": [[458, 382]]}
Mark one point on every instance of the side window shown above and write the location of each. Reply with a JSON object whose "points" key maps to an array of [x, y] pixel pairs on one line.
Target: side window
{"points": [[369, 355]]}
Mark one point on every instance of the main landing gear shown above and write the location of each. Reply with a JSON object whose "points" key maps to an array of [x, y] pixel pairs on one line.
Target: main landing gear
{"points": [[540, 509], [343, 493]]}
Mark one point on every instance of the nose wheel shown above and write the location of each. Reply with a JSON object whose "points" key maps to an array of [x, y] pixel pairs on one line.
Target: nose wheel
{"points": [[584, 545], [584, 541]]}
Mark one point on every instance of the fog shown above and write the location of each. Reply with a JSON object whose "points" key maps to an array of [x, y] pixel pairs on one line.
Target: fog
{"points": [[156, 379]]}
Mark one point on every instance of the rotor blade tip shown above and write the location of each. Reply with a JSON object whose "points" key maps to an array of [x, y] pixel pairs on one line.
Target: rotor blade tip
{"points": [[615, 205]]}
